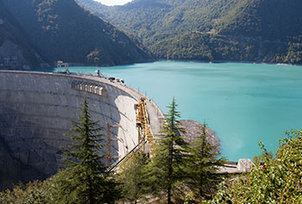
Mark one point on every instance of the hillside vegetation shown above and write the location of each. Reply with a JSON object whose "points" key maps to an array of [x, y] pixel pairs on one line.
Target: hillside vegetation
{"points": [[61, 30], [212, 30], [176, 173], [14, 44], [272, 179]]}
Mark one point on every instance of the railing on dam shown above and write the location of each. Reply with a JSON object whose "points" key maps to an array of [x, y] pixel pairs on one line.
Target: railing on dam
{"points": [[89, 87]]}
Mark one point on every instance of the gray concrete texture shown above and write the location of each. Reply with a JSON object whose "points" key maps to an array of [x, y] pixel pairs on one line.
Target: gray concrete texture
{"points": [[36, 109]]}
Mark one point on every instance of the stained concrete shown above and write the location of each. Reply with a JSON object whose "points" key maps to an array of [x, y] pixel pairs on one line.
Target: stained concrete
{"points": [[36, 109]]}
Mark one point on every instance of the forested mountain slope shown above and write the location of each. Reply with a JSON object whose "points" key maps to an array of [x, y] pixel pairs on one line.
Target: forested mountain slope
{"points": [[61, 30], [212, 30], [16, 51]]}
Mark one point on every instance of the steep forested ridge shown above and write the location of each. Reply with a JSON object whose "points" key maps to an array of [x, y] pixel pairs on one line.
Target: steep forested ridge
{"points": [[61, 30], [212, 30], [16, 50]]}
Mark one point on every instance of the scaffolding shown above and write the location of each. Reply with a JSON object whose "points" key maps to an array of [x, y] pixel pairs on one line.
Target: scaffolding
{"points": [[143, 125], [145, 136]]}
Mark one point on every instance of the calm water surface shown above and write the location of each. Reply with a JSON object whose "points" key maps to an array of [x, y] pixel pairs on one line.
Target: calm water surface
{"points": [[242, 103]]}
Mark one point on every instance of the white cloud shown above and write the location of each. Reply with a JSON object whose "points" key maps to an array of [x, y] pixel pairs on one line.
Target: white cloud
{"points": [[113, 2]]}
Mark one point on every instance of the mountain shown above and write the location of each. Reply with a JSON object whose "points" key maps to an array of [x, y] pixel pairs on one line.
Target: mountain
{"points": [[212, 30], [16, 51], [61, 30]]}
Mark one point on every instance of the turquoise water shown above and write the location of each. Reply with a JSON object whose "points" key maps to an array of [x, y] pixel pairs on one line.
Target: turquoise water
{"points": [[242, 103]]}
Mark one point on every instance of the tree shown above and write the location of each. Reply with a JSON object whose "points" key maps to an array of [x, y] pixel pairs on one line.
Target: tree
{"points": [[31, 193], [134, 177], [203, 163], [271, 179], [170, 152], [85, 179]]}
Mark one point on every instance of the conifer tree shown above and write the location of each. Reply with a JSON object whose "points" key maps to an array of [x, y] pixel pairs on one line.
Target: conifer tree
{"points": [[168, 161], [202, 164], [85, 179], [134, 177]]}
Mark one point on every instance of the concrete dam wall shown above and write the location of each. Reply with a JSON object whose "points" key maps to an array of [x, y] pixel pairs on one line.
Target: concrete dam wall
{"points": [[36, 109]]}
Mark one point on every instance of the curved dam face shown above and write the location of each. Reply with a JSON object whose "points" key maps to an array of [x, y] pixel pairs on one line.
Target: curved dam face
{"points": [[36, 110]]}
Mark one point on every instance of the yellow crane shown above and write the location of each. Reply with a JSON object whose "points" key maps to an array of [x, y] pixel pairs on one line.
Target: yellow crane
{"points": [[144, 134], [143, 124]]}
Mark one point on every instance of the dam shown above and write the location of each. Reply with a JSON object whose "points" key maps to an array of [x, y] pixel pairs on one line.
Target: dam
{"points": [[36, 110]]}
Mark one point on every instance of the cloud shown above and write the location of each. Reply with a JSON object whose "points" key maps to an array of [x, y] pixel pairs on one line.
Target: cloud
{"points": [[113, 2]]}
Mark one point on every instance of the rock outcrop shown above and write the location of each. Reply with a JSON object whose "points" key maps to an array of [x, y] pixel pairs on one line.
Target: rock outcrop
{"points": [[193, 129]]}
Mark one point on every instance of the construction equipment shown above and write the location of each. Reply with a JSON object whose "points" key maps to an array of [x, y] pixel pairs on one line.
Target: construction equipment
{"points": [[143, 125], [144, 135]]}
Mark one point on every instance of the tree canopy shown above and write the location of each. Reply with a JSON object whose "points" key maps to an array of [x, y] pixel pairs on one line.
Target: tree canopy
{"points": [[211, 30], [72, 34], [272, 179]]}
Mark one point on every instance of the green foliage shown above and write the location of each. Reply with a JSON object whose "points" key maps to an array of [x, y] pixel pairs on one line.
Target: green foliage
{"points": [[86, 142], [202, 165], [61, 30], [36, 192], [175, 169], [12, 31], [134, 177], [211, 30], [188, 199], [271, 180], [270, 19], [85, 179], [169, 155]]}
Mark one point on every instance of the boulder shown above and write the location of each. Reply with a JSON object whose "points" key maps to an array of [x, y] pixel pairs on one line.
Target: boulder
{"points": [[193, 129]]}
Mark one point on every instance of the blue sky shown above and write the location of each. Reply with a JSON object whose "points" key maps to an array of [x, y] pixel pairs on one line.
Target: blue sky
{"points": [[113, 2]]}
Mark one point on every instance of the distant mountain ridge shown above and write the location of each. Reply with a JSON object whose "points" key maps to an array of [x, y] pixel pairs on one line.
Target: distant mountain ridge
{"points": [[212, 30], [61, 30]]}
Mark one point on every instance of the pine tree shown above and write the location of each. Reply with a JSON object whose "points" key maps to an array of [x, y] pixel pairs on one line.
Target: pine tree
{"points": [[85, 179], [203, 162], [134, 177], [167, 163]]}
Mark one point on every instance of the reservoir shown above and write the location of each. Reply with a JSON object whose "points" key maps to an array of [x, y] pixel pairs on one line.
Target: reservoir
{"points": [[242, 103]]}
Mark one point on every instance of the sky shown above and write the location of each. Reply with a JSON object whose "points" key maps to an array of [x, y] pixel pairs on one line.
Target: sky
{"points": [[113, 2]]}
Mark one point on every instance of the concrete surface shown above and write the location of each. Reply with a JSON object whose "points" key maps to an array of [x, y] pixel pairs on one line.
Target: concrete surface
{"points": [[36, 109]]}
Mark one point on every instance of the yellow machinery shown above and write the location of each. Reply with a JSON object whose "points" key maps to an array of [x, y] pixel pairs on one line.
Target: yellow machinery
{"points": [[143, 125], [144, 133]]}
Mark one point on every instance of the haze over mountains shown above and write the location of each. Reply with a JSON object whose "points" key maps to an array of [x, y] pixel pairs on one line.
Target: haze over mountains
{"points": [[39, 31], [212, 30]]}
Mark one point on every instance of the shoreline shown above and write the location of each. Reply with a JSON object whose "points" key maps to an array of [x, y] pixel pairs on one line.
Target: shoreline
{"points": [[43, 69], [230, 61], [195, 61]]}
